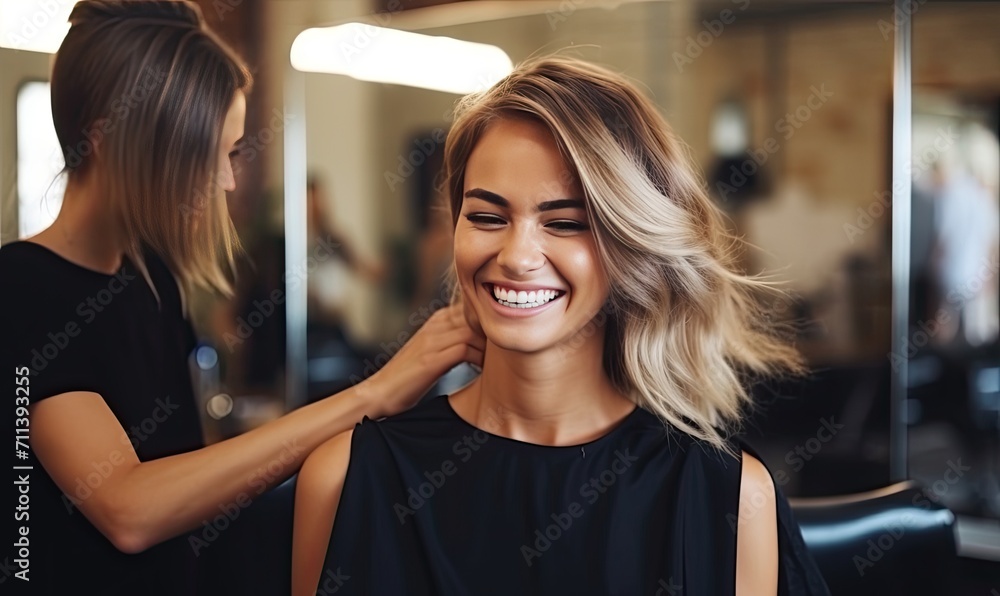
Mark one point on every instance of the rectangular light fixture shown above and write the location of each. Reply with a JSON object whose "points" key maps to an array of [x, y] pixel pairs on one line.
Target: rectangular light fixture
{"points": [[38, 26], [382, 55]]}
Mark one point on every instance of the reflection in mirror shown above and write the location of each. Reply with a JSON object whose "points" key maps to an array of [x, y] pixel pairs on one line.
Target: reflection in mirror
{"points": [[954, 386]]}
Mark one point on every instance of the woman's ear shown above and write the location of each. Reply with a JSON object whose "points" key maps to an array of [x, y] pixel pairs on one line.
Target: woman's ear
{"points": [[95, 137]]}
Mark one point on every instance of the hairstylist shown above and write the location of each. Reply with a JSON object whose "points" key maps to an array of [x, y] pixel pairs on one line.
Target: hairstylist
{"points": [[148, 105]]}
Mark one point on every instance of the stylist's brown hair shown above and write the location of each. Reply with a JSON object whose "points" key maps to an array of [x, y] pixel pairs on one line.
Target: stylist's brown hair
{"points": [[140, 91]]}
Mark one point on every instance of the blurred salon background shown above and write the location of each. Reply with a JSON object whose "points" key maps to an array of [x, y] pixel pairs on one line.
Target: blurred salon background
{"points": [[792, 109]]}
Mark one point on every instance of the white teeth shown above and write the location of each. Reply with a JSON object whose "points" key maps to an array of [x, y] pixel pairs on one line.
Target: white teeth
{"points": [[523, 299]]}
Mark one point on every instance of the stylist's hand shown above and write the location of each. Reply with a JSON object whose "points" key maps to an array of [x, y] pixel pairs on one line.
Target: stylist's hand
{"points": [[445, 340]]}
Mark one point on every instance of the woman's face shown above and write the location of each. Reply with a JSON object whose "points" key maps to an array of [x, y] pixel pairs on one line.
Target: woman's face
{"points": [[232, 133], [523, 234]]}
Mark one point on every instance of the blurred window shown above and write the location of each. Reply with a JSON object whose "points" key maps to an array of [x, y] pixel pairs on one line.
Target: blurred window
{"points": [[39, 160]]}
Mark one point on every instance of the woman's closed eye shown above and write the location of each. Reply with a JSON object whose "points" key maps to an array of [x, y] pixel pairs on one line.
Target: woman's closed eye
{"points": [[562, 225], [485, 220], [567, 225]]}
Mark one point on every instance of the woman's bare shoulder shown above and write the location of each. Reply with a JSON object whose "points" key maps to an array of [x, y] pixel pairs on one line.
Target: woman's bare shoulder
{"points": [[757, 549], [325, 469]]}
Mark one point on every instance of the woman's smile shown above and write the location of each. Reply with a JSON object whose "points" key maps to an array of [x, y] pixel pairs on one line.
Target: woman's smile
{"points": [[519, 304]]}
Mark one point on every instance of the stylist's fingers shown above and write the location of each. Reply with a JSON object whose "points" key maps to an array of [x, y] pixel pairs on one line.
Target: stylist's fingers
{"points": [[450, 316], [453, 317], [455, 343], [459, 353], [454, 333], [461, 314], [444, 341], [455, 338]]}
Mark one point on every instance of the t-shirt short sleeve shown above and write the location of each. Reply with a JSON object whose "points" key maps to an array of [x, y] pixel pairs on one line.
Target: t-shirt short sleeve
{"points": [[41, 331]]}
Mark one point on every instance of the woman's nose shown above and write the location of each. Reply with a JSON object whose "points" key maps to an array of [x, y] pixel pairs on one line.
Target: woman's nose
{"points": [[227, 179], [521, 252]]}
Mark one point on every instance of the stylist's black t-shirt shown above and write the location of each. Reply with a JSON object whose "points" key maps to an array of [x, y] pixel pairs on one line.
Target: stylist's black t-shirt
{"points": [[82, 330]]}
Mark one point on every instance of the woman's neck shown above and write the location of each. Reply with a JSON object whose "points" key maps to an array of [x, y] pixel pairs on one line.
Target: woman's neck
{"points": [[85, 232], [560, 396]]}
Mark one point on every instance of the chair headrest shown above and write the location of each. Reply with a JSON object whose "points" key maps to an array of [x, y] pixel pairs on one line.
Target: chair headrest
{"points": [[898, 539]]}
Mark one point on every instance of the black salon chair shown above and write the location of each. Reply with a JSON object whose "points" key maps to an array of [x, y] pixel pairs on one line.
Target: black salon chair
{"points": [[890, 541]]}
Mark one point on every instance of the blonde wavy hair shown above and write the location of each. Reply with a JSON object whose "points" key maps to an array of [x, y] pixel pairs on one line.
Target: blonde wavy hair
{"points": [[686, 331], [149, 85]]}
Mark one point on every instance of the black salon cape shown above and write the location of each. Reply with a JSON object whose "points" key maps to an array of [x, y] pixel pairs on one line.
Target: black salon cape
{"points": [[432, 505]]}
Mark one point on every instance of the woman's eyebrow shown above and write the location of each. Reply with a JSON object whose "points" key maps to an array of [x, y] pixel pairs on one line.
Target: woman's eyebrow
{"points": [[489, 197], [494, 198], [561, 204]]}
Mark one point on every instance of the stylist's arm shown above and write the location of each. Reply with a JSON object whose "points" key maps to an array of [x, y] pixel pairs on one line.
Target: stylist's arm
{"points": [[143, 503], [149, 107]]}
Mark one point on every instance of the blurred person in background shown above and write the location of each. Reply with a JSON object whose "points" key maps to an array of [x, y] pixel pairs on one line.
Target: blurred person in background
{"points": [[328, 294], [433, 255], [967, 239]]}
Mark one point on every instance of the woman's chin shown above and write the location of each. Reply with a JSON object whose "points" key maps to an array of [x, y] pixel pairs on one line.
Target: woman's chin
{"points": [[526, 343], [533, 342]]}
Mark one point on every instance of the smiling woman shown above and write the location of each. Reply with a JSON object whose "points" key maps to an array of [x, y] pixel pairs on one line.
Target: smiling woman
{"points": [[620, 341]]}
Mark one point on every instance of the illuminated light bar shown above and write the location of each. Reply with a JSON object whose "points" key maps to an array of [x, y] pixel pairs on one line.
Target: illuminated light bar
{"points": [[35, 26], [381, 55]]}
